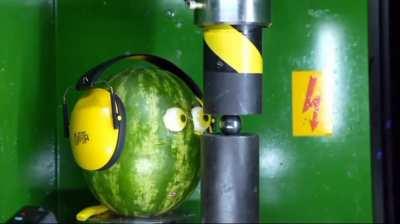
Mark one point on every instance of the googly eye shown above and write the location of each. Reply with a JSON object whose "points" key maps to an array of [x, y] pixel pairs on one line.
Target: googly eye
{"points": [[175, 119], [201, 121]]}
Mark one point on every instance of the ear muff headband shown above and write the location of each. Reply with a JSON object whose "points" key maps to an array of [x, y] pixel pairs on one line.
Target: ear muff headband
{"points": [[90, 80]]}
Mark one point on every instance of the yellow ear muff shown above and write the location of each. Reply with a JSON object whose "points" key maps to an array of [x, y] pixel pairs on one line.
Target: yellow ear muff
{"points": [[96, 144]]}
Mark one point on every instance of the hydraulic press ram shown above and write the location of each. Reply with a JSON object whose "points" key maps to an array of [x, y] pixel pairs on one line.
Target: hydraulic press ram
{"points": [[233, 67]]}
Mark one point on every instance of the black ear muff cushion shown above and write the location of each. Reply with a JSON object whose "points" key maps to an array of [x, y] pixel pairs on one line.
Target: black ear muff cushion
{"points": [[121, 134]]}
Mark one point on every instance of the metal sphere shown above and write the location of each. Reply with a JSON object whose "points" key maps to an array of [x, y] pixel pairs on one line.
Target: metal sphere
{"points": [[230, 125]]}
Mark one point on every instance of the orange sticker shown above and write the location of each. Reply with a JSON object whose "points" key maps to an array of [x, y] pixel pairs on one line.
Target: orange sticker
{"points": [[310, 105]]}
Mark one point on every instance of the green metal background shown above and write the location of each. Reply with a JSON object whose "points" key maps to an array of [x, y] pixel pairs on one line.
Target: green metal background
{"points": [[317, 179], [302, 179], [27, 105]]}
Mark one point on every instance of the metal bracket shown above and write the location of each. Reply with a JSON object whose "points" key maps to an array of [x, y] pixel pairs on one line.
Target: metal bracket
{"points": [[232, 12]]}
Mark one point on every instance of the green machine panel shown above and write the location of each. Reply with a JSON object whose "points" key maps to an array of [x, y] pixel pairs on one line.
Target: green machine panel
{"points": [[27, 105], [303, 179], [317, 179]]}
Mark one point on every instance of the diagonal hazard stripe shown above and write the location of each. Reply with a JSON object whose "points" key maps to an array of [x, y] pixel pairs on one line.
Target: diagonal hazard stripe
{"points": [[234, 48], [251, 34]]}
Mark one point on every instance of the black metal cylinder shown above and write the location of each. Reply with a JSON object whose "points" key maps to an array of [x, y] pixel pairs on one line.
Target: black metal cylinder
{"points": [[233, 68], [230, 178]]}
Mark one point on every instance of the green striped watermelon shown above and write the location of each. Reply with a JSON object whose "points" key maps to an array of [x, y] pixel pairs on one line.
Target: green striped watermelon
{"points": [[159, 166]]}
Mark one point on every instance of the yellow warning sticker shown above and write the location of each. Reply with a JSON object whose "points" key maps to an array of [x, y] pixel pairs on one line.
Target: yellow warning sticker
{"points": [[310, 104]]}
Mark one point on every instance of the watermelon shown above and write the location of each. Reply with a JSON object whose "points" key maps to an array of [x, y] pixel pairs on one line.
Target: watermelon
{"points": [[159, 165]]}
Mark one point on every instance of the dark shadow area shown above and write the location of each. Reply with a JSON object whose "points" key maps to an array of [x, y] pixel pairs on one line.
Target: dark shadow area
{"points": [[70, 202], [385, 109]]}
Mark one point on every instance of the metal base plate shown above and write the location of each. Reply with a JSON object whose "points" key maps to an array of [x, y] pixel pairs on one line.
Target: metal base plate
{"points": [[110, 217]]}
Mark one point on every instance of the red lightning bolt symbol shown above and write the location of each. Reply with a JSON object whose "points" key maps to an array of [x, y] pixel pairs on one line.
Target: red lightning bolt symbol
{"points": [[312, 102]]}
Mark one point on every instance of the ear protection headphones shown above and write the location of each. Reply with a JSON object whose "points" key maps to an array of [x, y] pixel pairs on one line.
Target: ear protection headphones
{"points": [[96, 127]]}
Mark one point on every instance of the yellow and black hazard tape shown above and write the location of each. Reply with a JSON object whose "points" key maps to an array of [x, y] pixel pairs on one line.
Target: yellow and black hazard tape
{"points": [[233, 67], [233, 49]]}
